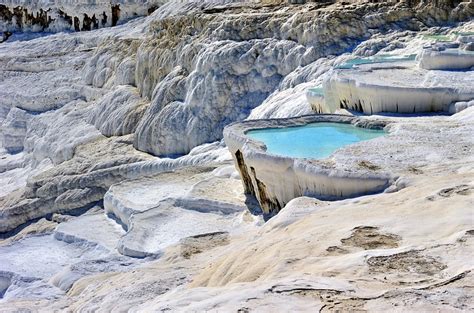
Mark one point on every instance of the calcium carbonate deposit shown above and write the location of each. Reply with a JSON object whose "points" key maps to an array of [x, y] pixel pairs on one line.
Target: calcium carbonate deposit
{"points": [[130, 180]]}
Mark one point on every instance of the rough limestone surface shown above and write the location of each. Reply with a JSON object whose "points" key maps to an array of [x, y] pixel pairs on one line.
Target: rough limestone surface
{"points": [[14, 130], [161, 210], [135, 196], [449, 59], [118, 112], [119, 194]]}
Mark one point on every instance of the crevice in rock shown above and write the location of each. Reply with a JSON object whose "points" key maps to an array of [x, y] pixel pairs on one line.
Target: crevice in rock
{"points": [[115, 14], [247, 181], [76, 24], [269, 206], [447, 281]]}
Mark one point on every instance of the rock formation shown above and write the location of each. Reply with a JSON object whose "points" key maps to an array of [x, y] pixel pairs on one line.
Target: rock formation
{"points": [[276, 179], [60, 15], [119, 192]]}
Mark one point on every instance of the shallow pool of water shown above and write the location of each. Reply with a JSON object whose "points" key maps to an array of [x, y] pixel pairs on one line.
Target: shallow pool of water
{"points": [[317, 90], [315, 140], [43, 256], [376, 59], [443, 38]]}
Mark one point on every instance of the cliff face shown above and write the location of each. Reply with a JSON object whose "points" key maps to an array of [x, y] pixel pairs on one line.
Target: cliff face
{"points": [[60, 15]]}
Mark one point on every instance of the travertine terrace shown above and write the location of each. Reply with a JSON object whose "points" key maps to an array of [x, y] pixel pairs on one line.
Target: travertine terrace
{"points": [[121, 185]]}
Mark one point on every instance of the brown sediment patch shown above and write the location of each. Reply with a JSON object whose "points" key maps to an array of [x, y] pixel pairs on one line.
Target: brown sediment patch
{"points": [[415, 170], [335, 250], [368, 165], [369, 237], [338, 304], [410, 261], [196, 244]]}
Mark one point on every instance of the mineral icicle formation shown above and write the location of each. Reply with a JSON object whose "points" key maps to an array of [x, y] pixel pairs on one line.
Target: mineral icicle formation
{"points": [[119, 192], [433, 80], [60, 15]]}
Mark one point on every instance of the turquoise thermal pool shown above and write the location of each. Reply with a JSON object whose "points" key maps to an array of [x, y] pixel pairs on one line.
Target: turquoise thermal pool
{"points": [[314, 141], [317, 91], [376, 59]]}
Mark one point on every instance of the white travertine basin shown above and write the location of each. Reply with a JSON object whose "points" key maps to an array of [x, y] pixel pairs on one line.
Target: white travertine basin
{"points": [[275, 179], [314, 141], [396, 88]]}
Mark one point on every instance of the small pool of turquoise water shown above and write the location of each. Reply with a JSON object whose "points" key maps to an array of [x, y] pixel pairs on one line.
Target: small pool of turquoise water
{"points": [[376, 59], [315, 140], [317, 91]]}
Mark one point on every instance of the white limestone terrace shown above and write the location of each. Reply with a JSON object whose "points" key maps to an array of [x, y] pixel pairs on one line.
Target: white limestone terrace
{"points": [[396, 87], [82, 132], [46, 258], [315, 97], [206, 202], [274, 180], [433, 73], [366, 167], [374, 249], [447, 59], [67, 162], [185, 185], [79, 190], [159, 211]]}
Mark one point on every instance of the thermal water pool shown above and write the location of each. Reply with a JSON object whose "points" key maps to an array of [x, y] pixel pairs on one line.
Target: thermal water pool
{"points": [[376, 59], [282, 159], [314, 140]]}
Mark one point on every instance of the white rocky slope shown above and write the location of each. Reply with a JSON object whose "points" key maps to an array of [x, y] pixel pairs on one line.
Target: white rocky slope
{"points": [[403, 251], [84, 115]]}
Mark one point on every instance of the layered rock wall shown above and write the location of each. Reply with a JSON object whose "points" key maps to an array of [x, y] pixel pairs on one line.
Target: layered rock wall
{"points": [[63, 15]]}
